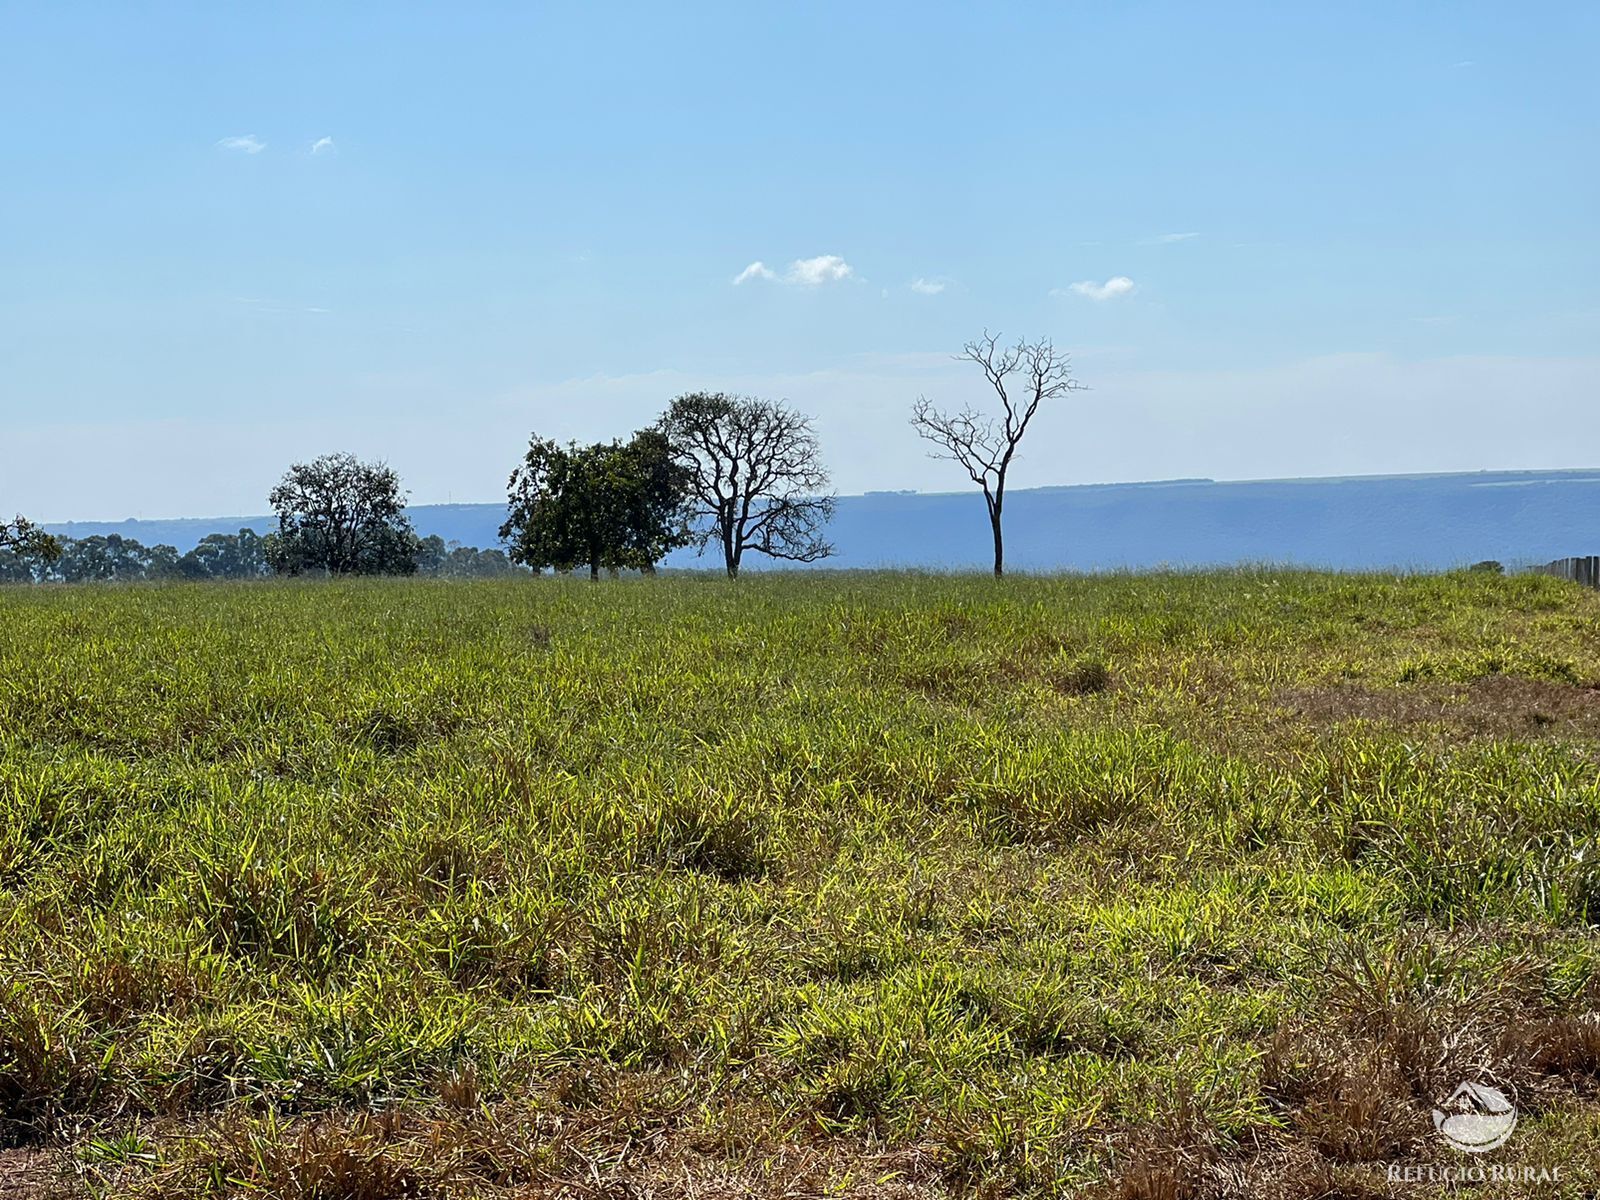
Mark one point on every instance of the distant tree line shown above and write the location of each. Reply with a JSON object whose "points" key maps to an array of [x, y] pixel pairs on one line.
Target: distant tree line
{"points": [[439, 559], [736, 474], [112, 558]]}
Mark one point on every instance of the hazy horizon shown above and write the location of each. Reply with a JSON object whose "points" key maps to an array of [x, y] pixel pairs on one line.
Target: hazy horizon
{"points": [[499, 501], [1410, 522]]}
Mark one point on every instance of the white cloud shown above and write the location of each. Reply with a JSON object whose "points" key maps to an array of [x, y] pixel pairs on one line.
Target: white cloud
{"points": [[927, 287], [1166, 239], [1111, 289], [824, 268], [324, 145], [806, 272], [249, 143], [756, 270]]}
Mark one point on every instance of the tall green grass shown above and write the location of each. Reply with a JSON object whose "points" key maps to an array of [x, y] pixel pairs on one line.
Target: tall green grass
{"points": [[1022, 875]]}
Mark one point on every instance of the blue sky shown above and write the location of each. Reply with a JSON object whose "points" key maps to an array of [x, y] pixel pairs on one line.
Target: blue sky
{"points": [[1354, 238]]}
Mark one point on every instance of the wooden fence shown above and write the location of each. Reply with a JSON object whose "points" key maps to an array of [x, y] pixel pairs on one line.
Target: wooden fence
{"points": [[1580, 570]]}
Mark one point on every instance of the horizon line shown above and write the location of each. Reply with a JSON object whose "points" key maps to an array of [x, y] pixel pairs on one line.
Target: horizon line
{"points": [[1179, 481]]}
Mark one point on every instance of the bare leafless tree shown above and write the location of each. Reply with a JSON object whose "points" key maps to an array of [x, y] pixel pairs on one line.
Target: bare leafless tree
{"points": [[758, 480], [986, 444]]}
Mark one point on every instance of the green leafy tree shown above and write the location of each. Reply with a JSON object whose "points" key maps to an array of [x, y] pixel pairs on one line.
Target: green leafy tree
{"points": [[610, 505], [28, 556], [432, 552], [469, 562], [452, 560], [25, 540], [18, 568], [112, 558], [342, 516], [226, 556], [161, 562], [652, 489], [756, 476]]}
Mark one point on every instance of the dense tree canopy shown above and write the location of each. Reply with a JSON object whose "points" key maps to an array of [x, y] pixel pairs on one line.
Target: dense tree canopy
{"points": [[113, 557], [342, 516], [241, 555], [756, 476], [609, 505]]}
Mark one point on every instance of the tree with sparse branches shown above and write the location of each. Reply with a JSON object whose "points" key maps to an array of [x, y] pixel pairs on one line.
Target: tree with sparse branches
{"points": [[342, 516], [23, 538], [984, 444], [757, 480]]}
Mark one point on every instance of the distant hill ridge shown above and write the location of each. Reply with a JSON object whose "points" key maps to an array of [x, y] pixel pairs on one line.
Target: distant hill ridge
{"points": [[1417, 521]]}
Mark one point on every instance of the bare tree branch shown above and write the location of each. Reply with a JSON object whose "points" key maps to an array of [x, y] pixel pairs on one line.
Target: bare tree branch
{"points": [[758, 482], [984, 445], [23, 537]]}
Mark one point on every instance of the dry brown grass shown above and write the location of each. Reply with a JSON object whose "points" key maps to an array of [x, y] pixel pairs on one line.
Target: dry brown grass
{"points": [[505, 1150], [42, 1073], [1354, 1082], [1498, 706]]}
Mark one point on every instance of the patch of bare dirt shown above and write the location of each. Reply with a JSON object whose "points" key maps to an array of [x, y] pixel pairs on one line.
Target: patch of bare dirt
{"points": [[793, 1172], [1495, 706], [28, 1174]]}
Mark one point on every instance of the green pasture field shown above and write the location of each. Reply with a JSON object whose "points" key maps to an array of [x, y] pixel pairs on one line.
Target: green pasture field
{"points": [[1153, 885]]}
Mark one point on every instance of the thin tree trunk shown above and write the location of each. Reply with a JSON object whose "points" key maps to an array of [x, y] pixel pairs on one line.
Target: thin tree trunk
{"points": [[999, 542], [594, 570]]}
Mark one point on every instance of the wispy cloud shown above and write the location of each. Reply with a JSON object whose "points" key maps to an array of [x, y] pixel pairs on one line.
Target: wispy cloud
{"points": [[927, 287], [324, 145], [1112, 289], [248, 143], [756, 270], [265, 304], [804, 272], [1465, 62], [1166, 239]]}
